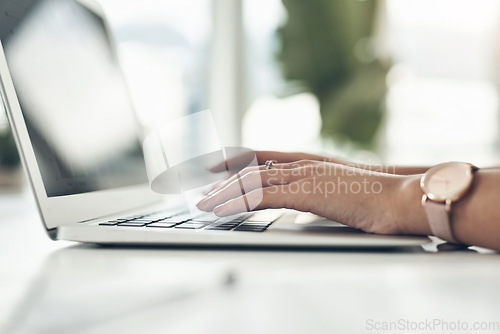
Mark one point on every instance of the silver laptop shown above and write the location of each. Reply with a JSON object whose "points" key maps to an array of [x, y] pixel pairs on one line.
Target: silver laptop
{"points": [[79, 142]]}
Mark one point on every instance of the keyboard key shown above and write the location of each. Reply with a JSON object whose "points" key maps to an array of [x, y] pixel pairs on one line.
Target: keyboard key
{"points": [[204, 220], [229, 220], [265, 216], [239, 217], [158, 216], [189, 225], [241, 228], [172, 220], [219, 228], [111, 223], [206, 217], [133, 224], [225, 225], [263, 224], [133, 217], [161, 224], [250, 229], [155, 218], [145, 221], [182, 216]]}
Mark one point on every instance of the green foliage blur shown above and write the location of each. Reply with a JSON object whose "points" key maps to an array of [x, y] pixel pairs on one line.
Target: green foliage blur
{"points": [[327, 46]]}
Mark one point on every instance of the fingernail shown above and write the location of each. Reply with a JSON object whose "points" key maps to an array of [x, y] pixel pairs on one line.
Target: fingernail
{"points": [[202, 203], [219, 211]]}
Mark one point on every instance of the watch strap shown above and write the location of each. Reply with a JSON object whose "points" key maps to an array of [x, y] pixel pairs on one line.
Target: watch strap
{"points": [[439, 220]]}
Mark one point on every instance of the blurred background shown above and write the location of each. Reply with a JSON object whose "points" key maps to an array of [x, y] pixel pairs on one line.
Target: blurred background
{"points": [[393, 81]]}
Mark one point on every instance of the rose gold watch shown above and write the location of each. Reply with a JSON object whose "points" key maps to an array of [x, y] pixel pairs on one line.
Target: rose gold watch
{"points": [[443, 185]]}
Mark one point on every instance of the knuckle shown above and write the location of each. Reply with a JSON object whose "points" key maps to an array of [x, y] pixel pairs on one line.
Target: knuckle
{"points": [[250, 175], [246, 170], [306, 162]]}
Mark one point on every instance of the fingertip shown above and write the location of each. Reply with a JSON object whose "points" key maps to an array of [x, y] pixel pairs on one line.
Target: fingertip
{"points": [[202, 204], [214, 169], [219, 211], [218, 168]]}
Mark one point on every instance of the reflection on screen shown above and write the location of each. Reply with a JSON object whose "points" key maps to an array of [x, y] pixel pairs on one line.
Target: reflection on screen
{"points": [[74, 100]]}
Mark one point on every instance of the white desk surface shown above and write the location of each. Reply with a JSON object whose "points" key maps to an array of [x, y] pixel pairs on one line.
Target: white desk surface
{"points": [[64, 287]]}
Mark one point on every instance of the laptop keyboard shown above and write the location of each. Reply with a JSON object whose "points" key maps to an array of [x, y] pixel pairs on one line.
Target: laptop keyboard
{"points": [[247, 222]]}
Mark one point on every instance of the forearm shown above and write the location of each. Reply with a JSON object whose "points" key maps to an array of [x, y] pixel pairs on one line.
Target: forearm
{"points": [[475, 219]]}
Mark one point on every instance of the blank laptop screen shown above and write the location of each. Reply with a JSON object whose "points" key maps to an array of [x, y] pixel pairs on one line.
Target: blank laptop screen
{"points": [[73, 97]]}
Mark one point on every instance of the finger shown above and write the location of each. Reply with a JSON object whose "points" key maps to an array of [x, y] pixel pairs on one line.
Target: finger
{"points": [[236, 158], [232, 178], [263, 156], [219, 184], [238, 176], [276, 166], [284, 157], [295, 164], [239, 186], [232, 175], [253, 181], [240, 160], [273, 197]]}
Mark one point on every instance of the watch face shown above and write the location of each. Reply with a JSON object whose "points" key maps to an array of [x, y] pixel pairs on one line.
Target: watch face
{"points": [[447, 181]]}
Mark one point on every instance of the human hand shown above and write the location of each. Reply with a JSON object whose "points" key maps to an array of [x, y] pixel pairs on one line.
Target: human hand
{"points": [[359, 198], [240, 158]]}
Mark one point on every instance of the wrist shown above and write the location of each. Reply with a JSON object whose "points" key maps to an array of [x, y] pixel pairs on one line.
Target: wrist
{"points": [[410, 215]]}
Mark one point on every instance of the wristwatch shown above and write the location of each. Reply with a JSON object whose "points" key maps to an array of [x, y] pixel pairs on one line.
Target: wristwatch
{"points": [[443, 185]]}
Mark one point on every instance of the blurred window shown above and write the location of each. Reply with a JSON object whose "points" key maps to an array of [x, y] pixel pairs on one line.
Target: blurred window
{"points": [[443, 97], [442, 92], [164, 47], [269, 103]]}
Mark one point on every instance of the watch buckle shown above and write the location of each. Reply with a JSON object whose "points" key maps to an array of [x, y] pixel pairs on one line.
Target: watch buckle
{"points": [[424, 199], [447, 205]]}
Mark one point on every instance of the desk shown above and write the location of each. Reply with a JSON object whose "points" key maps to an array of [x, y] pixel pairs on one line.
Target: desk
{"points": [[64, 287]]}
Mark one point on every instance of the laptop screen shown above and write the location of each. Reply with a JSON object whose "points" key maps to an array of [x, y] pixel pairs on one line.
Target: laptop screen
{"points": [[73, 96]]}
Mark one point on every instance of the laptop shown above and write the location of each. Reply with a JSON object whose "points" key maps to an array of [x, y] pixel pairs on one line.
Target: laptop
{"points": [[80, 145]]}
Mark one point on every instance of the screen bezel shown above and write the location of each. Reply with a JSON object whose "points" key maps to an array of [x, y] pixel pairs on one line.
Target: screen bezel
{"points": [[70, 209]]}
